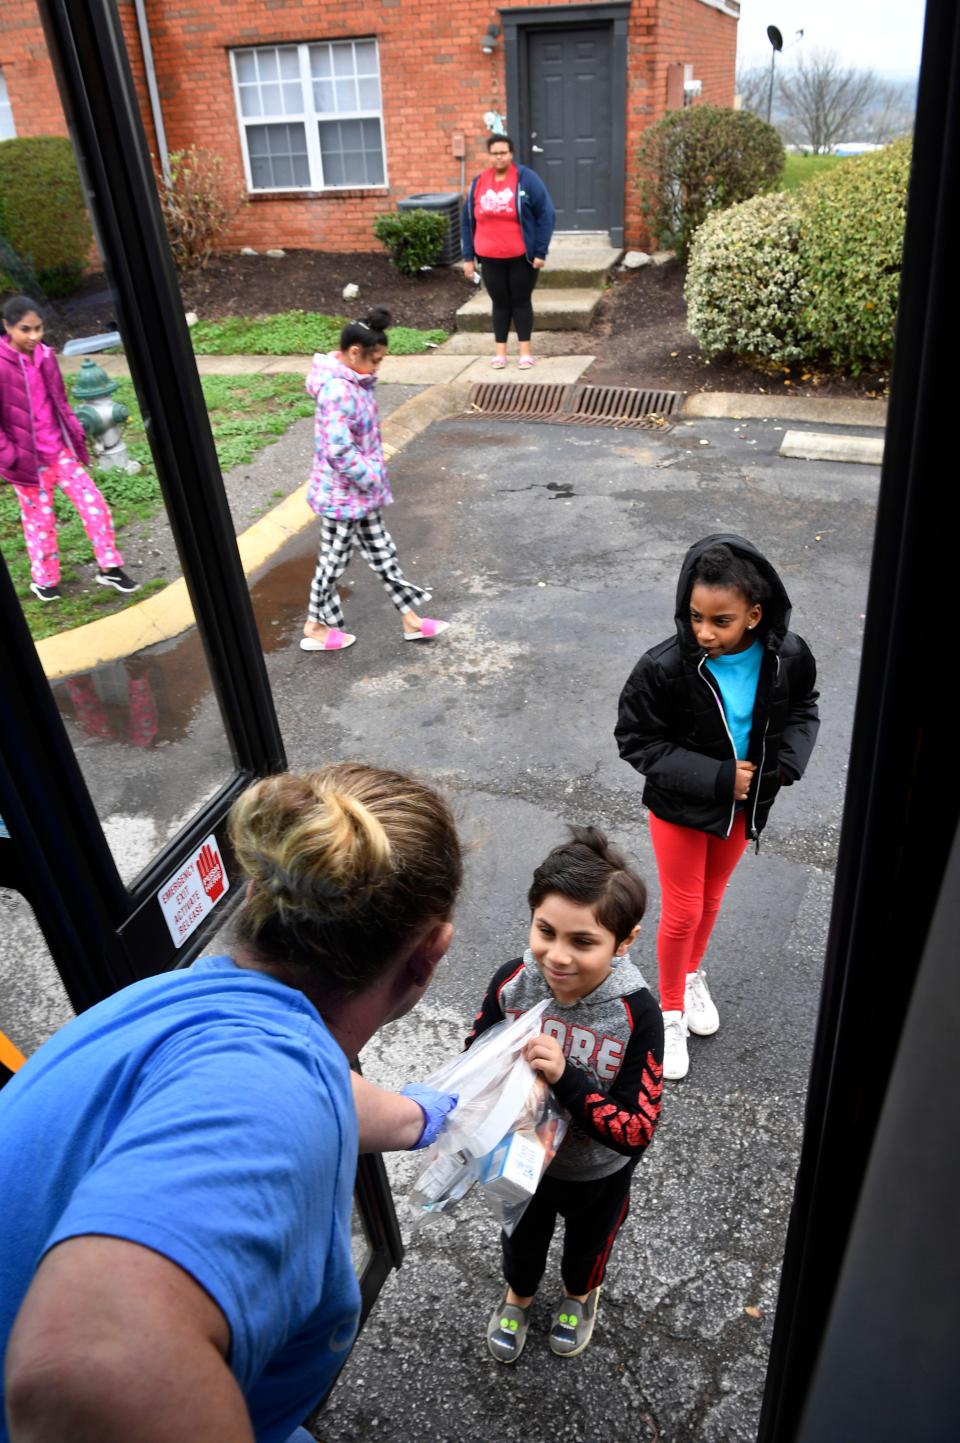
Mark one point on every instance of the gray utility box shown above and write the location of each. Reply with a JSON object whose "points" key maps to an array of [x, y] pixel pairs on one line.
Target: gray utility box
{"points": [[448, 204]]}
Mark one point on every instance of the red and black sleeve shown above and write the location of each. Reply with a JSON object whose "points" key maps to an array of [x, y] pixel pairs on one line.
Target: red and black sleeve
{"points": [[624, 1118], [491, 1011]]}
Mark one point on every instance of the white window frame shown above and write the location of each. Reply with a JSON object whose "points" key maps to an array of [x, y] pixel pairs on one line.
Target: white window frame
{"points": [[6, 109], [309, 117]]}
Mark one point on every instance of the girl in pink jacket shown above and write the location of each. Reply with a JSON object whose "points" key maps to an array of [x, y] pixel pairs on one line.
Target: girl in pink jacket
{"points": [[349, 487], [42, 449]]}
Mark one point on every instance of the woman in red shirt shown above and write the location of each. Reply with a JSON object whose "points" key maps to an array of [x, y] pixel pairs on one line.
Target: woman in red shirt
{"points": [[507, 223]]}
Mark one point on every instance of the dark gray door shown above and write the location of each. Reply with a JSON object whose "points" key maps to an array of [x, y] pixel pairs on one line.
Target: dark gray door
{"points": [[570, 124]]}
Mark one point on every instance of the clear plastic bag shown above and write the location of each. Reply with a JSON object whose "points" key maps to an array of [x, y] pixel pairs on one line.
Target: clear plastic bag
{"points": [[504, 1132]]}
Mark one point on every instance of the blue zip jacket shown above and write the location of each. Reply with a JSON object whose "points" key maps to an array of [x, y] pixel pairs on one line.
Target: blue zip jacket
{"points": [[535, 213]]}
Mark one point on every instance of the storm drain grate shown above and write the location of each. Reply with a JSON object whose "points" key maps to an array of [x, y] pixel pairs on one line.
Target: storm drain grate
{"points": [[573, 405], [516, 398], [622, 405]]}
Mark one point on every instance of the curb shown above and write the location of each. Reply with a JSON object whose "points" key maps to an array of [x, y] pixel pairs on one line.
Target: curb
{"points": [[168, 613]]}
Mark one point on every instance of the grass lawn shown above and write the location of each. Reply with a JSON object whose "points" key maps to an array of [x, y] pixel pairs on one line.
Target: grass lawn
{"points": [[246, 412], [293, 333], [798, 169]]}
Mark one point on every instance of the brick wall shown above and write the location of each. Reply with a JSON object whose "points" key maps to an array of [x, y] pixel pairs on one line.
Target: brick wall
{"points": [[436, 82]]}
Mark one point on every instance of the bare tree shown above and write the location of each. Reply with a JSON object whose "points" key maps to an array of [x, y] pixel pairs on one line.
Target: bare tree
{"points": [[753, 88], [824, 101], [892, 113]]}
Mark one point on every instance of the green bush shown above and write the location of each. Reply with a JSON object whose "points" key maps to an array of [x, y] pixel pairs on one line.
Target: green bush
{"points": [[745, 288], [42, 213], [852, 250], [414, 238], [703, 159]]}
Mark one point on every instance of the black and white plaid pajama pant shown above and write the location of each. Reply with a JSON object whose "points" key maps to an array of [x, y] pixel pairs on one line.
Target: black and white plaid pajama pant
{"points": [[337, 540]]}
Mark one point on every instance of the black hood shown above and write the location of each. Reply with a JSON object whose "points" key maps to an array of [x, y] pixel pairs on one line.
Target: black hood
{"points": [[776, 610]]}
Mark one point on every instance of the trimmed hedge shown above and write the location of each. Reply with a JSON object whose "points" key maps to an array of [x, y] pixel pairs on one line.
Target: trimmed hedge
{"points": [[813, 275], [703, 159], [854, 220], [414, 238], [42, 213], [745, 287]]}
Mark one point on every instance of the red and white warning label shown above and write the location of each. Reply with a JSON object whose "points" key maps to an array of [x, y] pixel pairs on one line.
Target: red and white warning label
{"points": [[193, 891]]}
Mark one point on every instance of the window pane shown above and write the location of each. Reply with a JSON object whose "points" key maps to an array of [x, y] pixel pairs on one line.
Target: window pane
{"points": [[249, 100], [366, 57], [333, 170], [282, 170], [342, 59], [351, 135], [267, 65], [260, 174], [320, 60], [272, 99], [246, 65], [289, 63], [323, 98], [347, 95], [369, 93], [292, 99], [351, 152], [278, 156]]}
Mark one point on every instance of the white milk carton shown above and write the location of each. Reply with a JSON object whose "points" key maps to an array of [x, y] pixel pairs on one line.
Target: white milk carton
{"points": [[512, 1170]]}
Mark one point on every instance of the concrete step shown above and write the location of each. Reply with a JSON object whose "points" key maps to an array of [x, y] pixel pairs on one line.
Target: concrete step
{"points": [[578, 260], [553, 310]]}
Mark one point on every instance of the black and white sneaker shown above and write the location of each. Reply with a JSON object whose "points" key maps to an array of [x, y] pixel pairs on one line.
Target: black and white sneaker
{"points": [[118, 579], [46, 593]]}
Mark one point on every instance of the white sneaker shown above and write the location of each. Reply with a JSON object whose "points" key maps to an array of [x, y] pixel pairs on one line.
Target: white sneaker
{"points": [[698, 1006], [676, 1059]]}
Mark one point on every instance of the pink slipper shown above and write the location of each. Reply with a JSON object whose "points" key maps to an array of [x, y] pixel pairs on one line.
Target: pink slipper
{"points": [[428, 629], [498, 363], [525, 362], [335, 640]]}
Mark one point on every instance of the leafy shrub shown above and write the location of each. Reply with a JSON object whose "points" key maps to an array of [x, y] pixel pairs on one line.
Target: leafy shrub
{"points": [[852, 249], [414, 238], [198, 205], [745, 288], [703, 159], [810, 275], [42, 214], [16, 274]]}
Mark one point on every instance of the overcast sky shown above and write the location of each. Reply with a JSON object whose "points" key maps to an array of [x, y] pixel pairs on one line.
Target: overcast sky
{"points": [[882, 35]]}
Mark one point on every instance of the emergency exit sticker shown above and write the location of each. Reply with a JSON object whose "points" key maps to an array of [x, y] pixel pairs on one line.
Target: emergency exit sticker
{"points": [[193, 891]]}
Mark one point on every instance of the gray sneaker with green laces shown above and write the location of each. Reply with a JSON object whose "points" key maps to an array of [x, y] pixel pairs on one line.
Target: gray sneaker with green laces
{"points": [[572, 1326], [507, 1331]]}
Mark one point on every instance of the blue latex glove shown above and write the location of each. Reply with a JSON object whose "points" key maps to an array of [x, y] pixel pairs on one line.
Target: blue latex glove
{"points": [[434, 1105]]}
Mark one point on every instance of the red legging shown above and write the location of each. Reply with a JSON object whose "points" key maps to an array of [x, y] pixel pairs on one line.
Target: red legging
{"points": [[694, 868]]}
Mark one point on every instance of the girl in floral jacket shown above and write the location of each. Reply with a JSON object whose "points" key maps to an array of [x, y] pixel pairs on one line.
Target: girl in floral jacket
{"points": [[349, 487], [42, 450]]}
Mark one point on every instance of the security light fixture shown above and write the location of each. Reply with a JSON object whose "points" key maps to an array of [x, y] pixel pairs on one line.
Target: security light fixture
{"points": [[488, 43]]}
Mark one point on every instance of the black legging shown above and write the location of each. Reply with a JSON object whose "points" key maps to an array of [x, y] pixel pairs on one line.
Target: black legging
{"points": [[510, 285]]}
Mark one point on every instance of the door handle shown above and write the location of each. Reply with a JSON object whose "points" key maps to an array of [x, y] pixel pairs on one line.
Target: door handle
{"points": [[537, 149]]}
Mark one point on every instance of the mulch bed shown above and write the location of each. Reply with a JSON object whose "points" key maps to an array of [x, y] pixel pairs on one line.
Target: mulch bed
{"points": [[639, 336]]}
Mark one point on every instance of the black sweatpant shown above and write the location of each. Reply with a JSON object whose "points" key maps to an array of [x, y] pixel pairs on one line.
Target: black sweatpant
{"points": [[510, 285], [593, 1213]]}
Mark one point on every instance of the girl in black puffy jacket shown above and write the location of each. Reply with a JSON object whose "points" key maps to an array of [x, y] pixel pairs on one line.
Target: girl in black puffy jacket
{"points": [[718, 718]]}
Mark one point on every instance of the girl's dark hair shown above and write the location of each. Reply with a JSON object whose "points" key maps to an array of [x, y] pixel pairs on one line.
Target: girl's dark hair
{"points": [[368, 333], [505, 139], [719, 566], [588, 870], [346, 866], [17, 307]]}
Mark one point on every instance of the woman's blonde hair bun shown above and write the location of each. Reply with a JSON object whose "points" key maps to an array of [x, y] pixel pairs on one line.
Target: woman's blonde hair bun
{"points": [[351, 858]]}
